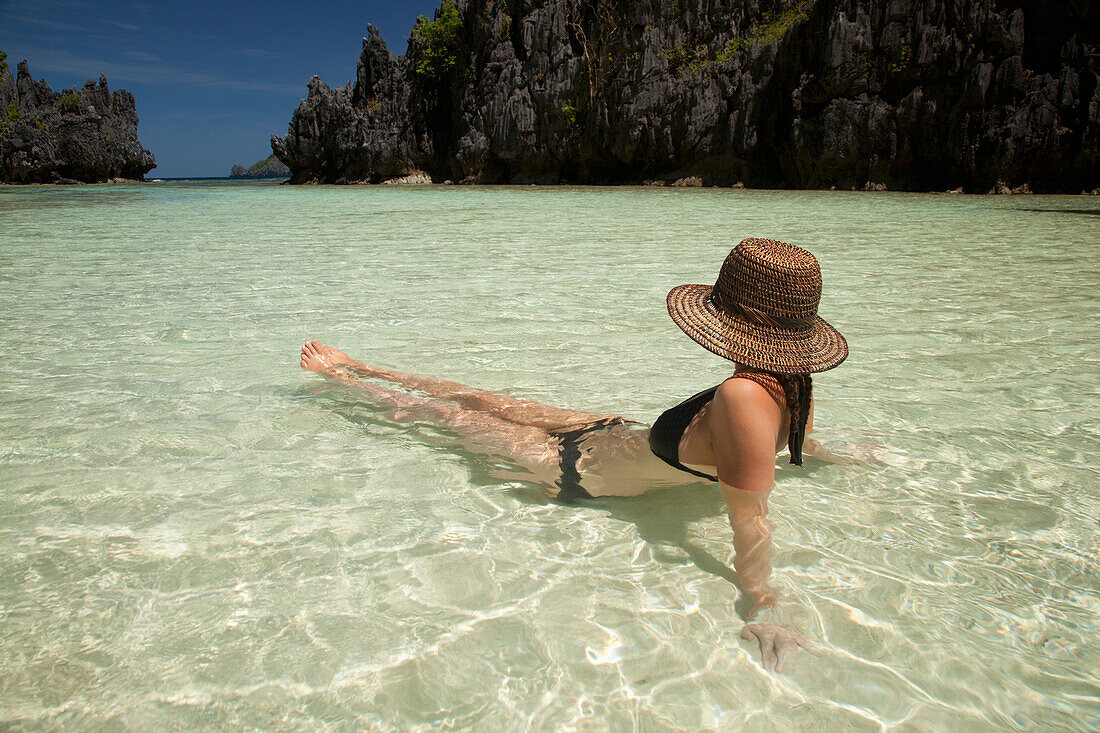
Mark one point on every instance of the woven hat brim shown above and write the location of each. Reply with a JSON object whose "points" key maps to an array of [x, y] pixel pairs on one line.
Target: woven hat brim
{"points": [[760, 347]]}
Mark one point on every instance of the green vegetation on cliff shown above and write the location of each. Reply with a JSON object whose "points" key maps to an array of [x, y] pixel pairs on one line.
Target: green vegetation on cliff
{"points": [[773, 27], [437, 41], [69, 103], [269, 167], [264, 164]]}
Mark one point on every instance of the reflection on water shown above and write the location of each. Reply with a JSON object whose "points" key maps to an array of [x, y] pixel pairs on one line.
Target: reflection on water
{"points": [[197, 534]]}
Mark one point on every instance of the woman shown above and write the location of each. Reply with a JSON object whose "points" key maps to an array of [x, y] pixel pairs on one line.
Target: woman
{"points": [[761, 314]]}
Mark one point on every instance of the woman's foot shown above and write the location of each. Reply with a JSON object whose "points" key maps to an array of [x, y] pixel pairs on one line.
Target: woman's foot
{"points": [[321, 357]]}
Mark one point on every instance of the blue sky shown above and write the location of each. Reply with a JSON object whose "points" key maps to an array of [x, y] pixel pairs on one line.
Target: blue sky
{"points": [[213, 80]]}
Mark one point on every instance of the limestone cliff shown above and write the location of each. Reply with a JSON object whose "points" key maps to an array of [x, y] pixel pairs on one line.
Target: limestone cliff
{"points": [[269, 167], [906, 94], [84, 135]]}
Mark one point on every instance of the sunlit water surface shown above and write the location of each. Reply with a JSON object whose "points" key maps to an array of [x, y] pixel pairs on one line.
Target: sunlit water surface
{"points": [[195, 533]]}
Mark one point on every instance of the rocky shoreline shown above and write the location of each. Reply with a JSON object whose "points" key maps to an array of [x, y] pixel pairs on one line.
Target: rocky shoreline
{"points": [[421, 178], [910, 95], [85, 135]]}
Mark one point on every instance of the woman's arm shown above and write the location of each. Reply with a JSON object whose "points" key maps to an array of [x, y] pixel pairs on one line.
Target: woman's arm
{"points": [[812, 447], [752, 543], [745, 423]]}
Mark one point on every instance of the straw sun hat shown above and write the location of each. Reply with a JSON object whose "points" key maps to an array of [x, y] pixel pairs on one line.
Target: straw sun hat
{"points": [[762, 311]]}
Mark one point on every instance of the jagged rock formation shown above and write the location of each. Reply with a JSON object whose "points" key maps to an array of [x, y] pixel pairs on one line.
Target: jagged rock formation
{"points": [[269, 167], [903, 94], [84, 135]]}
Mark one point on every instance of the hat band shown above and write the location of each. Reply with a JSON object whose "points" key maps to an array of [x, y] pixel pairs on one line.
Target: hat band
{"points": [[759, 317]]}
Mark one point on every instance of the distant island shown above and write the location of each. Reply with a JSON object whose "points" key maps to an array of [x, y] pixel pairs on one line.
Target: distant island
{"points": [[269, 167], [86, 135], [903, 95]]}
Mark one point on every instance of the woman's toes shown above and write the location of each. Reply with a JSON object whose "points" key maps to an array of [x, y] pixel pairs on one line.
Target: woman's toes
{"points": [[318, 356]]}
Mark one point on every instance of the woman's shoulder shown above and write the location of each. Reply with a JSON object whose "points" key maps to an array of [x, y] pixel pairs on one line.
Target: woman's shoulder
{"points": [[744, 421], [751, 387], [746, 401]]}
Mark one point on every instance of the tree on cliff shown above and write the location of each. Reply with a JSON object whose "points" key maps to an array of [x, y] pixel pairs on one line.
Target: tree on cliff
{"points": [[437, 41]]}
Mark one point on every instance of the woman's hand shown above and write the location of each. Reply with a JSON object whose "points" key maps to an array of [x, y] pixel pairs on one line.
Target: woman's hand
{"points": [[860, 455], [777, 643]]}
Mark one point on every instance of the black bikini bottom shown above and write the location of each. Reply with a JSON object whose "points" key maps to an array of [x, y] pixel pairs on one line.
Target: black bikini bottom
{"points": [[570, 452]]}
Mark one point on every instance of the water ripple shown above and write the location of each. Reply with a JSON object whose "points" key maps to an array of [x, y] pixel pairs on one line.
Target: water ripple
{"points": [[195, 534]]}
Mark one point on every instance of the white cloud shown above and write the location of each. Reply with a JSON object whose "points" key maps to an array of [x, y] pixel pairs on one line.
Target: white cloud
{"points": [[64, 62], [54, 25]]}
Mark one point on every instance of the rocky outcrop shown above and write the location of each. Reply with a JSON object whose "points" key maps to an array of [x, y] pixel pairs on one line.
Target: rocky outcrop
{"points": [[84, 135], [269, 167], [897, 94], [374, 131]]}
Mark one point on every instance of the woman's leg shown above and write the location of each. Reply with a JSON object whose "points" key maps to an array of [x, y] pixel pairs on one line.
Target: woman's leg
{"points": [[612, 461], [530, 446], [502, 406]]}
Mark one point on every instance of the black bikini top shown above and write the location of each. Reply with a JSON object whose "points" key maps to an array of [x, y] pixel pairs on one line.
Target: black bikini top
{"points": [[665, 435], [796, 390]]}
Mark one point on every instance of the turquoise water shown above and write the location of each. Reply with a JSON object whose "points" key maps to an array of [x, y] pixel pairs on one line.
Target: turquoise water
{"points": [[195, 533]]}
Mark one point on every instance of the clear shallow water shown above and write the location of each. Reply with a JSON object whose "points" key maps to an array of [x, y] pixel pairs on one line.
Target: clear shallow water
{"points": [[194, 533]]}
